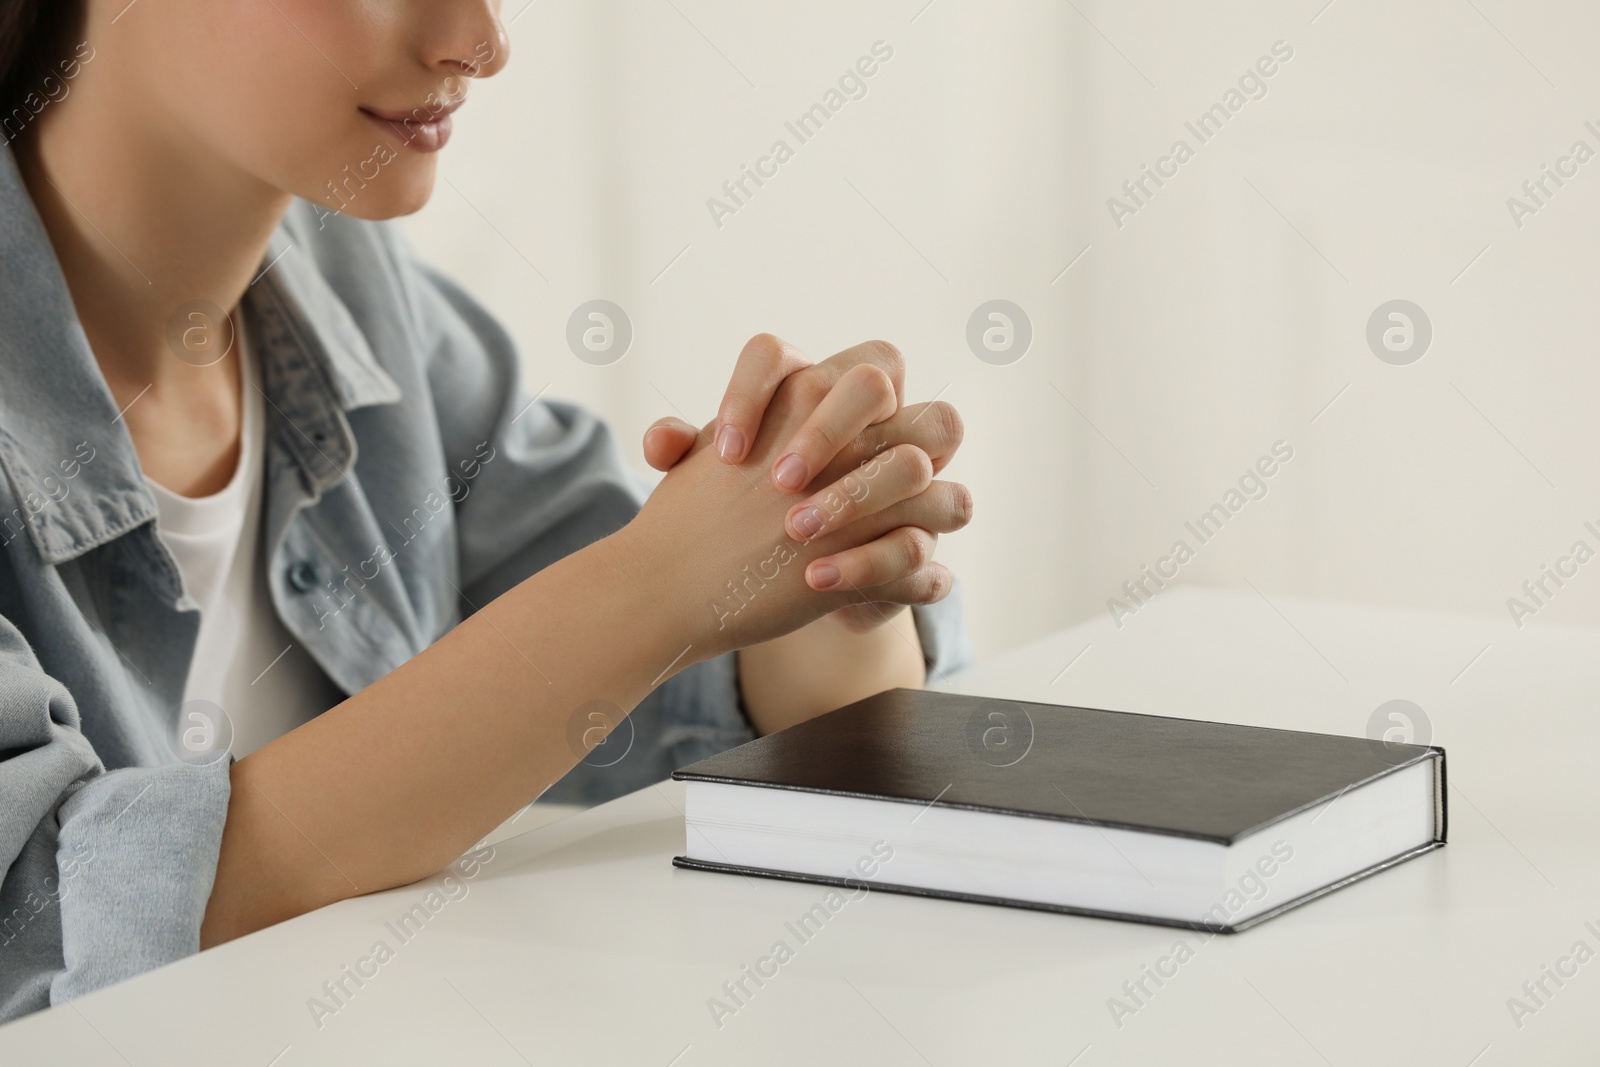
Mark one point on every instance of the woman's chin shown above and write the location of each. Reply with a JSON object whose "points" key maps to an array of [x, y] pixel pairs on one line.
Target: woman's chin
{"points": [[386, 183]]}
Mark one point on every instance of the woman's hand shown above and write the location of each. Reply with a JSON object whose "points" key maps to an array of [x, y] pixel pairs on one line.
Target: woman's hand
{"points": [[855, 419]]}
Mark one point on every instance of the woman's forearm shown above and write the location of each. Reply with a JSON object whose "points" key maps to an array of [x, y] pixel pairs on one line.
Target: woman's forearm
{"points": [[825, 666], [406, 775]]}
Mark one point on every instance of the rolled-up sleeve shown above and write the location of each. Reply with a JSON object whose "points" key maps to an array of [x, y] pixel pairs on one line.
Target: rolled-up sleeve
{"points": [[107, 874]]}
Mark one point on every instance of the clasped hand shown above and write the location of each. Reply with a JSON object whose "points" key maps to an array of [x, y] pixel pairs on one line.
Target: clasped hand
{"points": [[820, 464]]}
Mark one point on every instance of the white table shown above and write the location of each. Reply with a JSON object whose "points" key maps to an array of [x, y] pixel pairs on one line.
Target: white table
{"points": [[580, 943]]}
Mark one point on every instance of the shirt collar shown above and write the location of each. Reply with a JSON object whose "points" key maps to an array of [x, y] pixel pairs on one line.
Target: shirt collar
{"points": [[72, 467]]}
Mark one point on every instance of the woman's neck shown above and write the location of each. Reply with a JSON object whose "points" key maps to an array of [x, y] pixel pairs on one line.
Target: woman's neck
{"points": [[143, 224]]}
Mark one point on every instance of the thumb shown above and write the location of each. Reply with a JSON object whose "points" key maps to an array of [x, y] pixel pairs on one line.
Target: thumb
{"points": [[667, 441]]}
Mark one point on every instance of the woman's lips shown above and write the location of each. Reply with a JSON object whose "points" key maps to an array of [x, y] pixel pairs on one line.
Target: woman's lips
{"points": [[423, 129]]}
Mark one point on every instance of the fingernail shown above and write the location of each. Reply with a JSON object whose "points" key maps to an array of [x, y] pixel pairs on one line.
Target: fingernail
{"points": [[791, 471], [808, 521], [824, 575], [730, 443]]}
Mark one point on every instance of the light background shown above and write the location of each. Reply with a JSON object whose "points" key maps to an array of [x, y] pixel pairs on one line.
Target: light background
{"points": [[1227, 314]]}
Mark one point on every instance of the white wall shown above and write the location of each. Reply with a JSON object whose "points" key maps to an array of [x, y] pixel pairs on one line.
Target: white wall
{"points": [[1220, 318]]}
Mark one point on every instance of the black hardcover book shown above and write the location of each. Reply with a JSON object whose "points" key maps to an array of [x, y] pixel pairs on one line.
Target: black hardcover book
{"points": [[1198, 824]]}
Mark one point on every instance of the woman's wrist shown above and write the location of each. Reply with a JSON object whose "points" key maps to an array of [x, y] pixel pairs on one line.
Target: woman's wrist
{"points": [[825, 666], [657, 600]]}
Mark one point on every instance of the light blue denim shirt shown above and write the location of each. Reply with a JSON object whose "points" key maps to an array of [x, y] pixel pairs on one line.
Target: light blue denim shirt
{"points": [[408, 481]]}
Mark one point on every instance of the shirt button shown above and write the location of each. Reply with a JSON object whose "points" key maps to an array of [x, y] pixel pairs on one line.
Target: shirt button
{"points": [[303, 575]]}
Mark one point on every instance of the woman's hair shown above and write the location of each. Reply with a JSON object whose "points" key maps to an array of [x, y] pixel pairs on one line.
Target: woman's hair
{"points": [[35, 36]]}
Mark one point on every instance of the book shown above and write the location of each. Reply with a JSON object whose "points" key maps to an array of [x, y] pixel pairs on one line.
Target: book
{"points": [[1205, 825]]}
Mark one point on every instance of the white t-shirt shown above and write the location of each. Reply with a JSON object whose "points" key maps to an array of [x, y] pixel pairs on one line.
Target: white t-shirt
{"points": [[245, 661]]}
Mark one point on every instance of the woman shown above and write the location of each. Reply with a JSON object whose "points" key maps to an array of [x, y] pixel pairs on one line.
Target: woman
{"points": [[325, 532]]}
